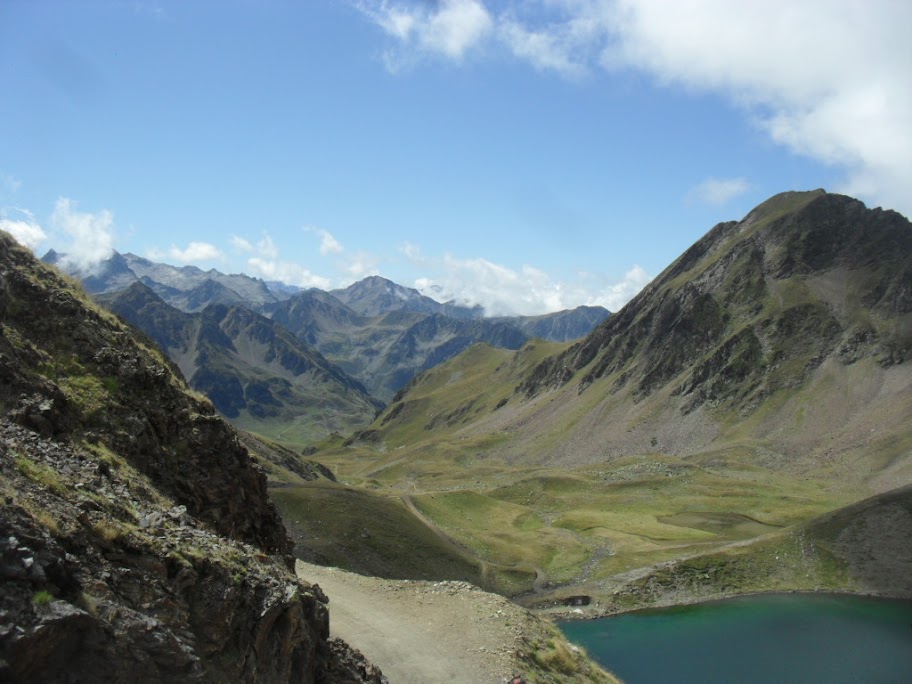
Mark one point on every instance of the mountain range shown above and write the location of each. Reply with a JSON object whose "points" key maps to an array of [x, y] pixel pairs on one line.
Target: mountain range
{"points": [[300, 364], [255, 372]]}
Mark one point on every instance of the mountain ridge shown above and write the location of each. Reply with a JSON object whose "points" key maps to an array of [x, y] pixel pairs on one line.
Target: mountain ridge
{"points": [[376, 331]]}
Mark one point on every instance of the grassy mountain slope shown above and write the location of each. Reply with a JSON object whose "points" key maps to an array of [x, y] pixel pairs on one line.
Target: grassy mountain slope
{"points": [[758, 382], [255, 372], [865, 548], [787, 330]]}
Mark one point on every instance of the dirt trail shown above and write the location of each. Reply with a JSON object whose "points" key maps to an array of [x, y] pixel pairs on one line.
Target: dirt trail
{"points": [[419, 632]]}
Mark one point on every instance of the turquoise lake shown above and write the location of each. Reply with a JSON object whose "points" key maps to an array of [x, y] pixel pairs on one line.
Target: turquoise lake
{"points": [[800, 638]]}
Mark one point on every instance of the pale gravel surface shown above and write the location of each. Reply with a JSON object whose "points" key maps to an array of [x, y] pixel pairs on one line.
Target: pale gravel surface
{"points": [[420, 632]]}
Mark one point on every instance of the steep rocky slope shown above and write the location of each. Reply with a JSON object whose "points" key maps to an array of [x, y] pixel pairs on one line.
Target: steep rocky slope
{"points": [[788, 330], [254, 371], [804, 276], [138, 541]]}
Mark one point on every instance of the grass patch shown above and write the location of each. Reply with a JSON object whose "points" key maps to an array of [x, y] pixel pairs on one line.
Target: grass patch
{"points": [[42, 598], [40, 474], [368, 534]]}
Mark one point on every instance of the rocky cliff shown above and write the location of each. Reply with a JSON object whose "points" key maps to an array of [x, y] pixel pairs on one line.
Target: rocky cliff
{"points": [[137, 538]]}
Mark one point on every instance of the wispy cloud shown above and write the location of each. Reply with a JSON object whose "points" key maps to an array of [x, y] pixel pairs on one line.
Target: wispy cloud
{"points": [[328, 243], [24, 229], [195, 252], [240, 245], [266, 264], [287, 272], [718, 191], [828, 79], [447, 28], [544, 49], [88, 237], [9, 184], [502, 290]]}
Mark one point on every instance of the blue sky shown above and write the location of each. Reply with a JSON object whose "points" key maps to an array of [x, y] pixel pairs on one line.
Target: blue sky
{"points": [[528, 156]]}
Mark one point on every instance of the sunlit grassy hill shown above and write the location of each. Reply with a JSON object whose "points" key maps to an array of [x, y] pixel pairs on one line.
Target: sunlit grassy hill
{"points": [[760, 381]]}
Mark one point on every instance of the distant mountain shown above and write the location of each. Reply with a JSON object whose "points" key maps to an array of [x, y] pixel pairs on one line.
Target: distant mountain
{"points": [[185, 287], [376, 331], [376, 296], [562, 326], [386, 351], [255, 371]]}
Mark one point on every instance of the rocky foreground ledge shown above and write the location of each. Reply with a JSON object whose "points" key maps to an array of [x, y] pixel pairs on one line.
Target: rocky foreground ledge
{"points": [[105, 580]]}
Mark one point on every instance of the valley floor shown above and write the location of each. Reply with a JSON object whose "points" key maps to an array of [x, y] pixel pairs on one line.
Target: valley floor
{"points": [[447, 632]]}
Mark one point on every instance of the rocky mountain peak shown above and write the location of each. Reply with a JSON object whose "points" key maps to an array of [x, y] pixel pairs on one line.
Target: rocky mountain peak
{"points": [[794, 282]]}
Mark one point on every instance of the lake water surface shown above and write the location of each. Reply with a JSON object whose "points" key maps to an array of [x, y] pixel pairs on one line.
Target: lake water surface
{"points": [[801, 638]]}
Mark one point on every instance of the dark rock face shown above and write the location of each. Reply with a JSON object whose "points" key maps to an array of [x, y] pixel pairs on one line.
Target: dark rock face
{"points": [[754, 306], [246, 364], [136, 537], [84, 373]]}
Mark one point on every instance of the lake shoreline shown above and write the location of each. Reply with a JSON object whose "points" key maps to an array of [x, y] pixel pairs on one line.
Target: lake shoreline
{"points": [[569, 614]]}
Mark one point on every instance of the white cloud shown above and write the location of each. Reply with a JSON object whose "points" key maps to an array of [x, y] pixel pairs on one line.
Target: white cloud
{"points": [[544, 49], [360, 266], [267, 249], [614, 295], [448, 27], [328, 243], [195, 251], [266, 264], [828, 79], [719, 191], [89, 237], [412, 252], [26, 231], [287, 272], [527, 291], [241, 245]]}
